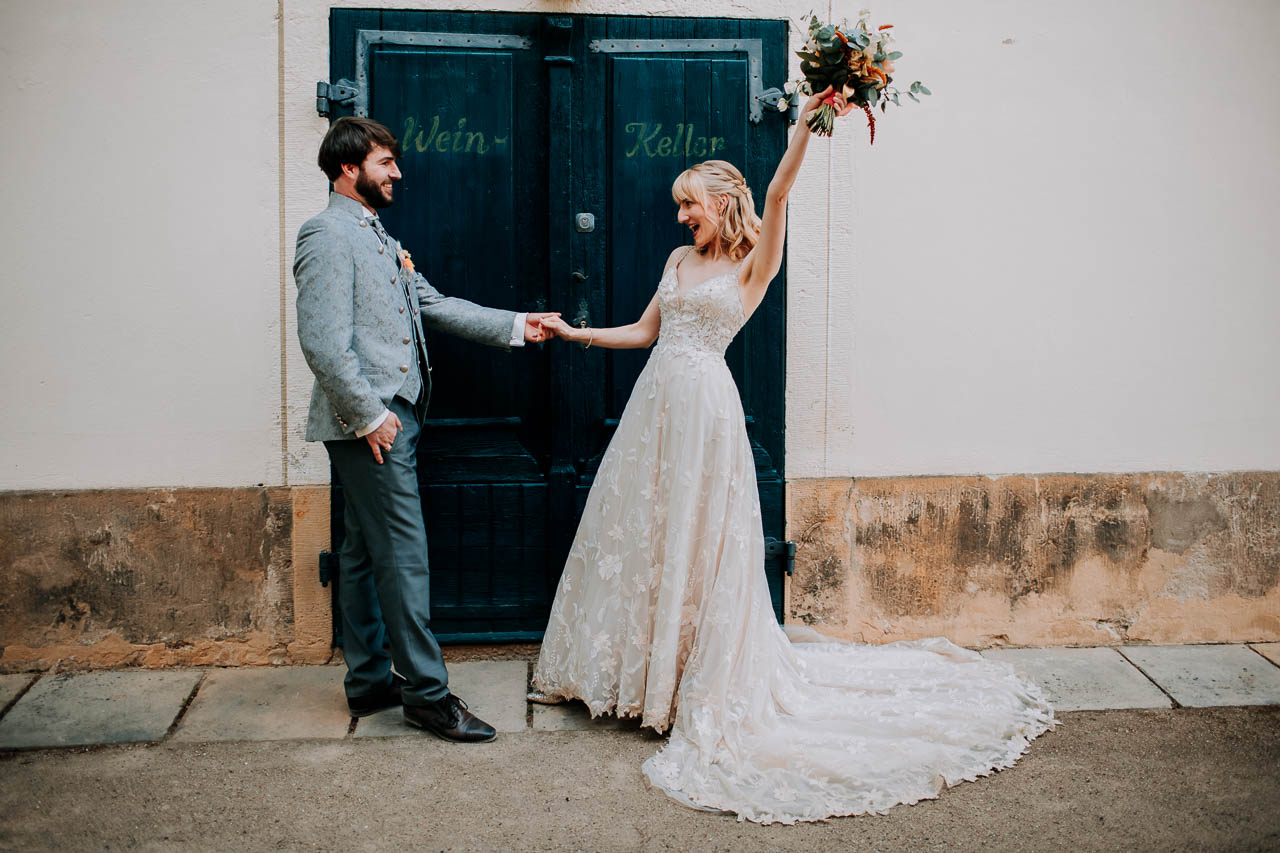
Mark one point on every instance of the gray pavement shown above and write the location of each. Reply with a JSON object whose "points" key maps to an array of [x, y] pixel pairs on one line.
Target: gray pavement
{"points": [[306, 702], [1209, 676], [267, 758]]}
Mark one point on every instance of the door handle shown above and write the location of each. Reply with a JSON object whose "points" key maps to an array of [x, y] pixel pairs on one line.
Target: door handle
{"points": [[579, 276], [583, 318]]}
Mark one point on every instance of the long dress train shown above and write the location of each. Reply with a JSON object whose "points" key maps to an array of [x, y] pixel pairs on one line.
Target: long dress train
{"points": [[663, 613]]}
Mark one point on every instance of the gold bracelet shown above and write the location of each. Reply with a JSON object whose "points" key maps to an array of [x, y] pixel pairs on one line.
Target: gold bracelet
{"points": [[591, 338]]}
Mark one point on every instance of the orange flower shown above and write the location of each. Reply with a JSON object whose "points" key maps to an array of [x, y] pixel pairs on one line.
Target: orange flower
{"points": [[406, 261]]}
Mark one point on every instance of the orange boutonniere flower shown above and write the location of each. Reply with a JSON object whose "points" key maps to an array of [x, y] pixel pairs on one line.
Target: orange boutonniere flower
{"points": [[406, 261]]}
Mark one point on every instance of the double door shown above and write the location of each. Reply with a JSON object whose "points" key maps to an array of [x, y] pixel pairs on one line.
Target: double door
{"points": [[538, 154]]}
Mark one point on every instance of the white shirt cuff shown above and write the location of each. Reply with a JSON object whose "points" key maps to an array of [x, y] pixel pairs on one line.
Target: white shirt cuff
{"points": [[517, 331], [373, 424]]}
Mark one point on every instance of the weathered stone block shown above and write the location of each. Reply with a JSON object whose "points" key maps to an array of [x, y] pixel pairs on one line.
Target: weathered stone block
{"points": [[1054, 560], [1084, 679], [1209, 676], [97, 707], [157, 578], [268, 703]]}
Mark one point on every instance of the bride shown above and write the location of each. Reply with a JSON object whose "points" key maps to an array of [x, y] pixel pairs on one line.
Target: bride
{"points": [[663, 609]]}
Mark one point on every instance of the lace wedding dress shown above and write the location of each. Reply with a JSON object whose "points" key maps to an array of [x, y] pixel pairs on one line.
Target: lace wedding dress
{"points": [[663, 613]]}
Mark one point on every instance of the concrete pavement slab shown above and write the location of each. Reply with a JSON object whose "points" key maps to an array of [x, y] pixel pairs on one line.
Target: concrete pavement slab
{"points": [[1205, 676], [1270, 651], [1094, 679], [77, 709], [493, 690], [388, 723], [12, 685], [574, 717], [268, 703]]}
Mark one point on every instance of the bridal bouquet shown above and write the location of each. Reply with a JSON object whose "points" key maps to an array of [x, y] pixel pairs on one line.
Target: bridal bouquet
{"points": [[854, 61]]}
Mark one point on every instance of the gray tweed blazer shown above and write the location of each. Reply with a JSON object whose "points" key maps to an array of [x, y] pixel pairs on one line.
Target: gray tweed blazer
{"points": [[356, 325]]}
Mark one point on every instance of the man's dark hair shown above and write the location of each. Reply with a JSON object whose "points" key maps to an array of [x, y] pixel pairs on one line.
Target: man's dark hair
{"points": [[350, 140]]}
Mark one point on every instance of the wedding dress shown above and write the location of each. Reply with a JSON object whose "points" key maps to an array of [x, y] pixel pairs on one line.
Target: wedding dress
{"points": [[663, 613]]}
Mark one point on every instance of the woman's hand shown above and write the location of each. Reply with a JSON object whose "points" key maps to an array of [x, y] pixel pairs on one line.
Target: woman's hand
{"points": [[558, 327], [838, 102]]}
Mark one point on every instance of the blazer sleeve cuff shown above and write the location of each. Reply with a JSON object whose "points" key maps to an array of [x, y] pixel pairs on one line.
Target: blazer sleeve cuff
{"points": [[373, 424]]}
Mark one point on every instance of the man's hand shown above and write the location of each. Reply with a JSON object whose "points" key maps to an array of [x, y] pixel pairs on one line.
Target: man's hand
{"points": [[533, 331], [384, 436]]}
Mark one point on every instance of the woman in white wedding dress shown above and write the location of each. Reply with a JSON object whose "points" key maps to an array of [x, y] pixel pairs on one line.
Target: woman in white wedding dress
{"points": [[663, 610]]}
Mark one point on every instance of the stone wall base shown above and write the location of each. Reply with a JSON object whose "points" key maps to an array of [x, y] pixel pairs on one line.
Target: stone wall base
{"points": [[165, 577], [1091, 559], [227, 577]]}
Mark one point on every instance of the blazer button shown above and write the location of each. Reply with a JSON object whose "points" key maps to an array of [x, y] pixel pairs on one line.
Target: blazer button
{"points": [[405, 341], [401, 309], [404, 368], [364, 223], [381, 249], [393, 278]]}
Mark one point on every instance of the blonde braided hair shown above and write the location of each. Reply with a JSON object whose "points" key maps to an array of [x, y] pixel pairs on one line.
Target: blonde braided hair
{"points": [[739, 227]]}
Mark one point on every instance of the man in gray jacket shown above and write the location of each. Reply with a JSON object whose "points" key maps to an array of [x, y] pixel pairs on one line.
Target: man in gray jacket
{"points": [[361, 313]]}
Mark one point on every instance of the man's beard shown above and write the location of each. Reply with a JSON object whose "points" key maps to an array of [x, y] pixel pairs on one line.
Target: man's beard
{"points": [[371, 192]]}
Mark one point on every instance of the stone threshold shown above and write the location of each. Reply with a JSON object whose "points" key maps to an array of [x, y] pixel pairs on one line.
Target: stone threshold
{"points": [[82, 709]]}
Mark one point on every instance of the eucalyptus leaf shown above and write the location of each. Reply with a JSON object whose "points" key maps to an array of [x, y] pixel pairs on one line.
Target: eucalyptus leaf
{"points": [[827, 32], [913, 97], [922, 90], [897, 54]]}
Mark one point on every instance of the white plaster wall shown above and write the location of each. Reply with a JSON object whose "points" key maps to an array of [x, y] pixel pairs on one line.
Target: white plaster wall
{"points": [[139, 340], [1062, 261], [1066, 260]]}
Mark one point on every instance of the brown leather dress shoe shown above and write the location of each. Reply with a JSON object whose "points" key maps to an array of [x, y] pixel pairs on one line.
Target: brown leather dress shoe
{"points": [[372, 703], [450, 719]]}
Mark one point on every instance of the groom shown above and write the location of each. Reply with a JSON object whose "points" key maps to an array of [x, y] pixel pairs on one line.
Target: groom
{"points": [[361, 313]]}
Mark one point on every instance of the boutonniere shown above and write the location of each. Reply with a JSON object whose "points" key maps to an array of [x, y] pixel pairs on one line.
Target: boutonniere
{"points": [[406, 261]]}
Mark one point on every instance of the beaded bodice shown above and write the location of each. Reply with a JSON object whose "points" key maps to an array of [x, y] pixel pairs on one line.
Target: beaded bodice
{"points": [[705, 318]]}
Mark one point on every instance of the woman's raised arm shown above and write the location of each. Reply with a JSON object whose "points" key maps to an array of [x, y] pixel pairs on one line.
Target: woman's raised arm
{"points": [[766, 258]]}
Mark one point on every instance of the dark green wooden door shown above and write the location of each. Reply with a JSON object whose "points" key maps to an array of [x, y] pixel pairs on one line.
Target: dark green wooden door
{"points": [[511, 125]]}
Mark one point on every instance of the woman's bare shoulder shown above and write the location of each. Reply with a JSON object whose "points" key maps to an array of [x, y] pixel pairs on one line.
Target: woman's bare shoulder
{"points": [[677, 255]]}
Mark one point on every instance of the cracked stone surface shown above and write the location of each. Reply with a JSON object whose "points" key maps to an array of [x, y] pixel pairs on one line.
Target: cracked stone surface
{"points": [[1270, 651], [1206, 676], [268, 703], [12, 685], [75, 709], [1091, 679]]}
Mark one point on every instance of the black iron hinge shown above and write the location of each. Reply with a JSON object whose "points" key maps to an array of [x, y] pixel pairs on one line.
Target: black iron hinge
{"points": [[328, 94], [328, 567], [775, 548]]}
